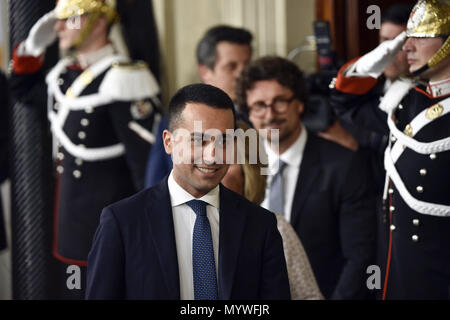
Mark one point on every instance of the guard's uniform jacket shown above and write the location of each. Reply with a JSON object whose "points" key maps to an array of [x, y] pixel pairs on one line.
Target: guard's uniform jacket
{"points": [[417, 160], [102, 117]]}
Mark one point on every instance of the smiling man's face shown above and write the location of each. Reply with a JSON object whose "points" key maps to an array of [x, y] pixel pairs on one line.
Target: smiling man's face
{"points": [[198, 171]]}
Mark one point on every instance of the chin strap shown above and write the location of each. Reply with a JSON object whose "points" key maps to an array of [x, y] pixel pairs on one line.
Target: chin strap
{"points": [[92, 18], [438, 57]]}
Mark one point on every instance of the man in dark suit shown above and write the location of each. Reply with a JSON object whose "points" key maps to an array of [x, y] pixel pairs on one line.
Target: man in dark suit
{"points": [[319, 186], [189, 237]]}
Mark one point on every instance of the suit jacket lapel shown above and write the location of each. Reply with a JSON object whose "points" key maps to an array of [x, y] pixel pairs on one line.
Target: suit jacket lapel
{"points": [[160, 217], [309, 171], [232, 222]]}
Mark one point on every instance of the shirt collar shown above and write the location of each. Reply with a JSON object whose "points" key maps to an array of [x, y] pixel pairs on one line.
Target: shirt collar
{"points": [[87, 59], [179, 196], [439, 89], [292, 156]]}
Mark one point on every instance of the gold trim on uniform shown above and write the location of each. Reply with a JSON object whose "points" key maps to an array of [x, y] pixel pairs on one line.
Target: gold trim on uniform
{"points": [[408, 130], [434, 111], [134, 65], [70, 94], [86, 77]]}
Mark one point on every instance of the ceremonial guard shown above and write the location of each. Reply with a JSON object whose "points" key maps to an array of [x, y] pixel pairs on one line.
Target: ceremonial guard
{"points": [[102, 108], [415, 111]]}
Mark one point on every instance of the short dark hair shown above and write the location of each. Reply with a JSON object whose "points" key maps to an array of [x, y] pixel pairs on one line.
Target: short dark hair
{"points": [[206, 48], [197, 93], [282, 70], [397, 14]]}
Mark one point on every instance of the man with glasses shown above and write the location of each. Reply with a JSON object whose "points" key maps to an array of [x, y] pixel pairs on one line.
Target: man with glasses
{"points": [[319, 186]]}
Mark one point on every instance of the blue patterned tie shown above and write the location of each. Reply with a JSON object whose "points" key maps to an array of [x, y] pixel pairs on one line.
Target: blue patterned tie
{"points": [[276, 195], [203, 265]]}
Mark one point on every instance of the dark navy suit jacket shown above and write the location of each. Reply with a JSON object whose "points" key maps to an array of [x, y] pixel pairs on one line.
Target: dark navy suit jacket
{"points": [[333, 214], [134, 254]]}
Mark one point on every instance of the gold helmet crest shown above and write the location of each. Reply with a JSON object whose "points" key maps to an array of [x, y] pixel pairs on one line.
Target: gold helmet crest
{"points": [[66, 9], [429, 19]]}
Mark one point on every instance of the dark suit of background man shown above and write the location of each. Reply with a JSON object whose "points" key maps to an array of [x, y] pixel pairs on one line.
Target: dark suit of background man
{"points": [[143, 249], [323, 187]]}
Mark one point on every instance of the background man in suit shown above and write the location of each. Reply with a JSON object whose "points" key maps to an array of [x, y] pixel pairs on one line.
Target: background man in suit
{"points": [[320, 187], [147, 246], [222, 53]]}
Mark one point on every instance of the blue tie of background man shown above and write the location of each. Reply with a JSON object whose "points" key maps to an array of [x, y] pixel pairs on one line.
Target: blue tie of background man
{"points": [[276, 195], [203, 264]]}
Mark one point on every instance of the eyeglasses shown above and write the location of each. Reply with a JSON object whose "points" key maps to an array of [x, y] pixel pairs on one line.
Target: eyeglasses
{"points": [[279, 105]]}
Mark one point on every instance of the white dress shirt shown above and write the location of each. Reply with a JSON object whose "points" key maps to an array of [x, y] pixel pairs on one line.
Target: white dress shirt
{"points": [[293, 158], [184, 221]]}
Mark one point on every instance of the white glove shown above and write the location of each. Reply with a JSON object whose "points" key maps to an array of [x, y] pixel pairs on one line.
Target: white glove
{"points": [[41, 35], [373, 63]]}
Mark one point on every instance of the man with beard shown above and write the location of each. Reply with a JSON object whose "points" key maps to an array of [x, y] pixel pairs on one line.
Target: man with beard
{"points": [[320, 187]]}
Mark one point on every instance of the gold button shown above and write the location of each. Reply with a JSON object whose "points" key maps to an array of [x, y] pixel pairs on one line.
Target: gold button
{"points": [[419, 189], [78, 161], [393, 139], [415, 238], [423, 172], [400, 106], [60, 81], [77, 174], [392, 208], [82, 135], [60, 156], [60, 169], [392, 227], [433, 156], [89, 110], [416, 222], [391, 191]]}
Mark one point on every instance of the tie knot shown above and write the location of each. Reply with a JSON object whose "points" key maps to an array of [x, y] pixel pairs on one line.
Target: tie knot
{"points": [[281, 165], [198, 206]]}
